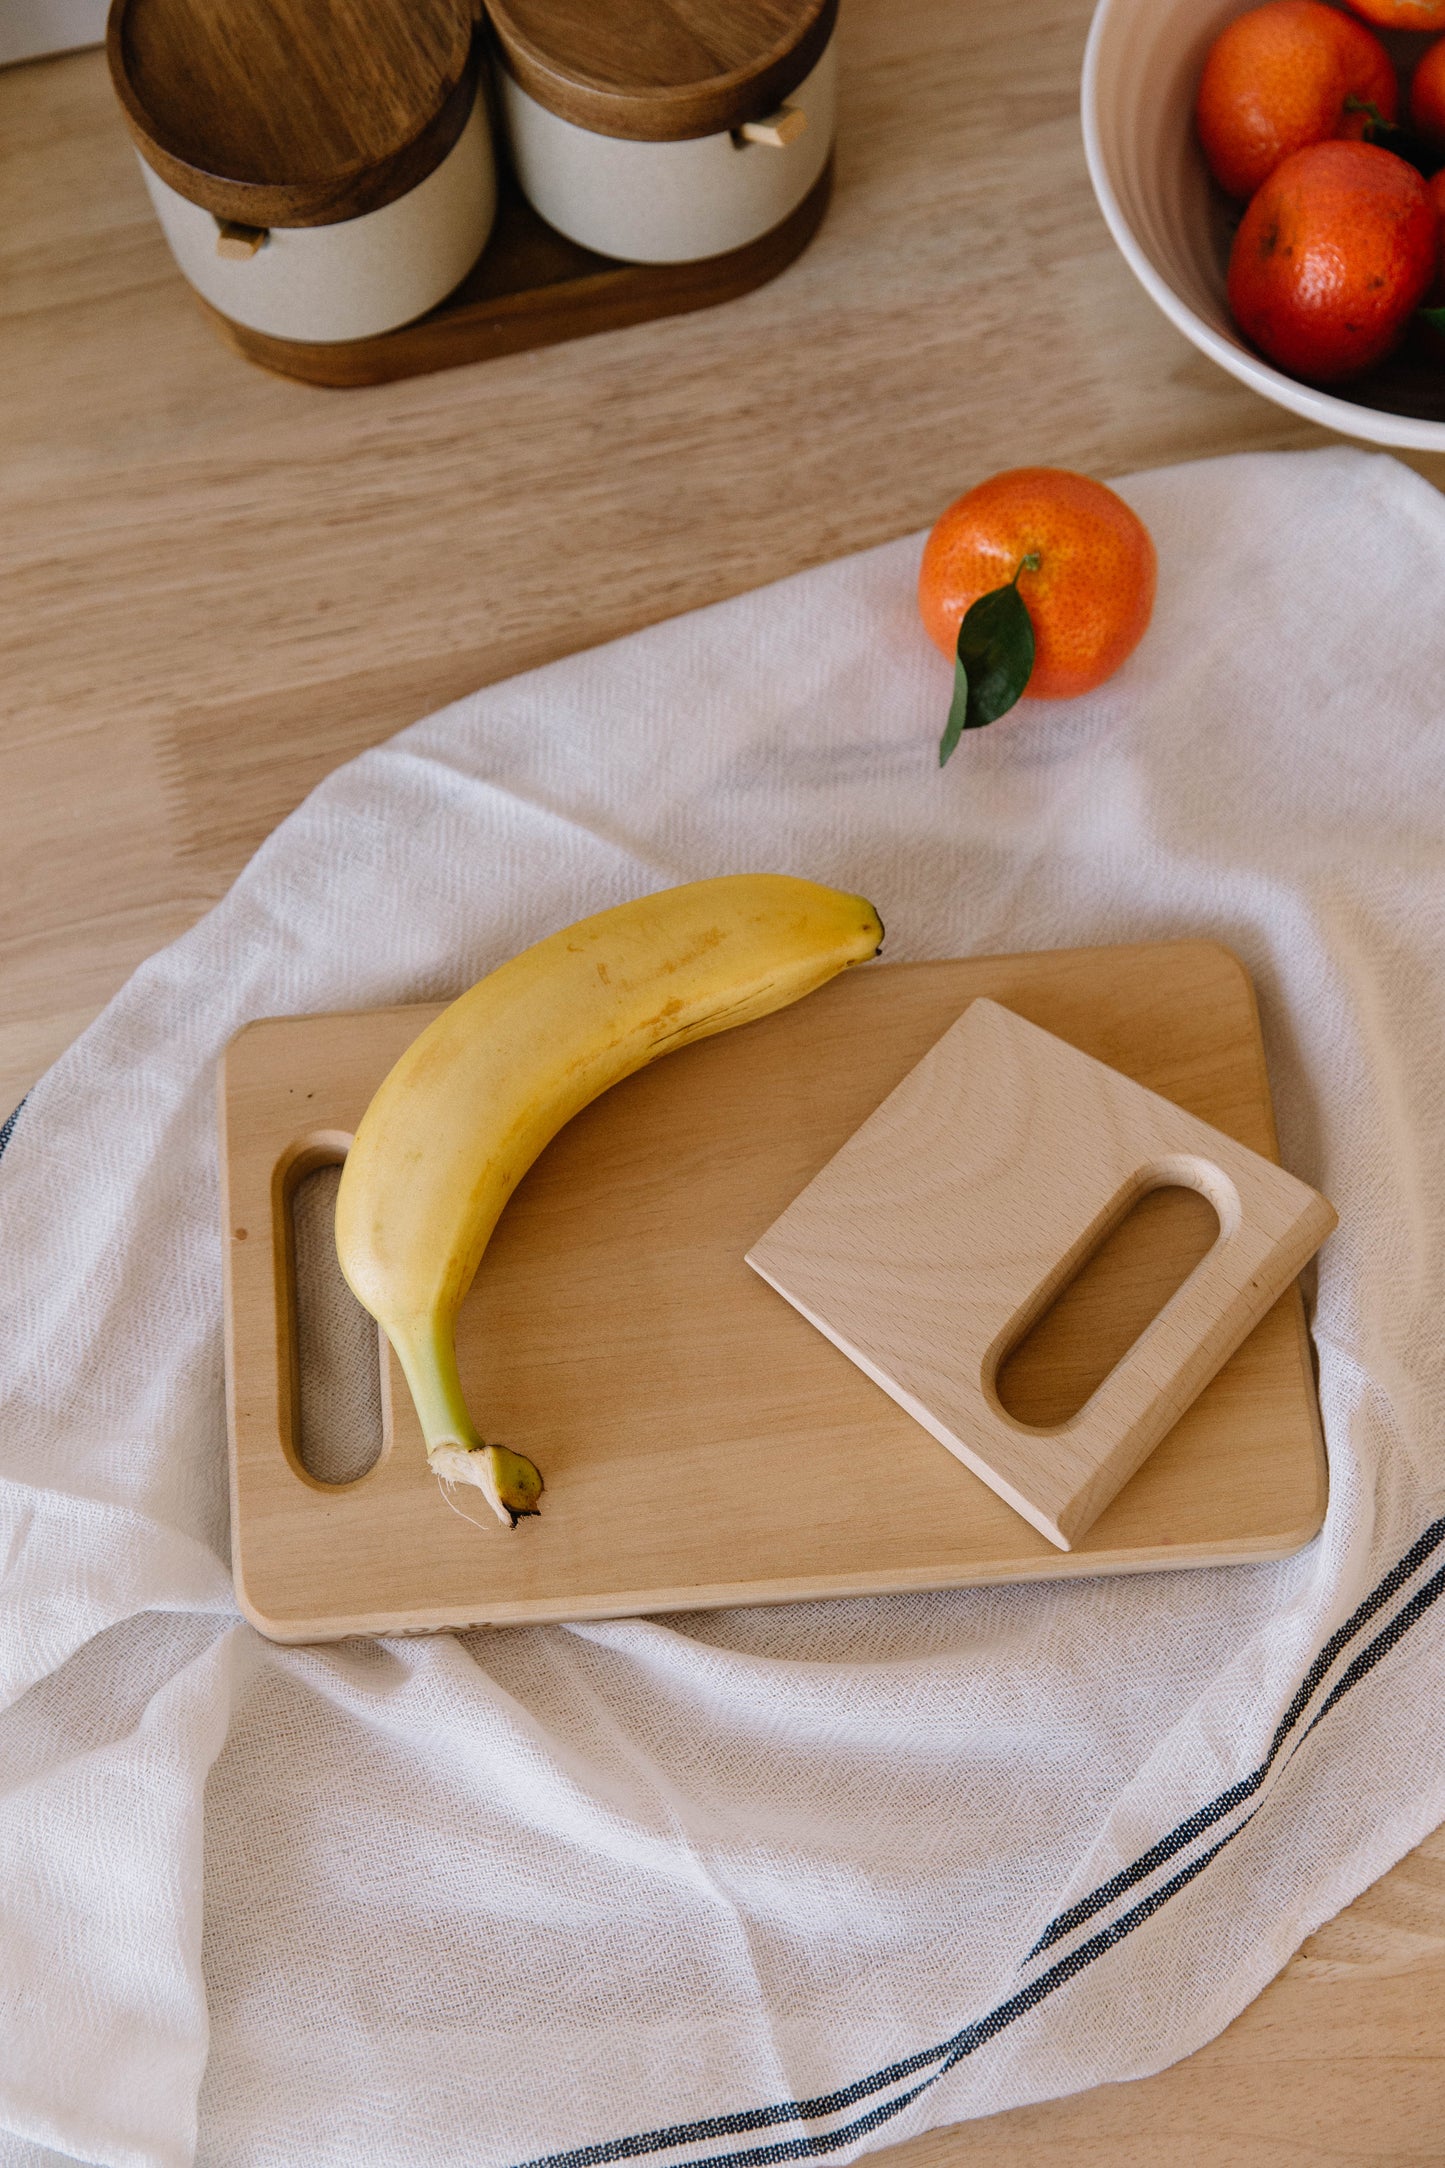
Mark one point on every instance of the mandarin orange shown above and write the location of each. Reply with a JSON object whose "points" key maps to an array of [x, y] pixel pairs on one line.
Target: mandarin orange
{"points": [[1402, 14], [1083, 561], [1432, 334], [1435, 189], [1427, 97], [1285, 75], [1332, 258]]}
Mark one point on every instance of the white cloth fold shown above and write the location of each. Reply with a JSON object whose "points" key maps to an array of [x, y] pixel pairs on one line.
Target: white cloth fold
{"points": [[770, 1885]]}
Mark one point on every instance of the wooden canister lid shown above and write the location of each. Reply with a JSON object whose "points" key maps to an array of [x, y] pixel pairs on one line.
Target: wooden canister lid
{"points": [[293, 112], [661, 70]]}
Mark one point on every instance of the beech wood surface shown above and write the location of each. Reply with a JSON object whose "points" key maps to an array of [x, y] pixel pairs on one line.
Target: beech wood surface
{"points": [[216, 585], [283, 113], [616, 1337], [952, 1220], [660, 70]]}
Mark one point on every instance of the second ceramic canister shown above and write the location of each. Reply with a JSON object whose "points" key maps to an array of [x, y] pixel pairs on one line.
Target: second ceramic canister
{"points": [[321, 172], [661, 135]]}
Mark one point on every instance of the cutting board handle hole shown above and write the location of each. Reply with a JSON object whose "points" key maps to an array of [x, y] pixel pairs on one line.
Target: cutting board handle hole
{"points": [[1097, 1316], [336, 1349]]}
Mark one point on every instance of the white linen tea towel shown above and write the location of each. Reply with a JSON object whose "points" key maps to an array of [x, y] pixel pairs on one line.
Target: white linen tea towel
{"points": [[749, 1887]]}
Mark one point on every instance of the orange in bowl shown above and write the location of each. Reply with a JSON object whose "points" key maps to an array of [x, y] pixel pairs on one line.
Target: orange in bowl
{"points": [[1286, 75], [1427, 98], [1332, 258], [1141, 74], [1403, 14]]}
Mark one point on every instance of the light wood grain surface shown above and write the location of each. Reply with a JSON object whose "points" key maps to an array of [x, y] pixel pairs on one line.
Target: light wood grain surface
{"points": [[615, 1336], [947, 1225], [215, 585]]}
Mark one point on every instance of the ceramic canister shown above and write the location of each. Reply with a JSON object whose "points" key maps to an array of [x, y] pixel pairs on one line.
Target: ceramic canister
{"points": [[321, 173], [661, 134]]}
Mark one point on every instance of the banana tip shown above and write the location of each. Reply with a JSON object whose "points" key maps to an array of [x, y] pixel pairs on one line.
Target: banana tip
{"points": [[878, 922], [509, 1482]]}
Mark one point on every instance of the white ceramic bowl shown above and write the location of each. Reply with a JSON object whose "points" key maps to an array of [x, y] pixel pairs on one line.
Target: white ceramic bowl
{"points": [[1141, 69]]}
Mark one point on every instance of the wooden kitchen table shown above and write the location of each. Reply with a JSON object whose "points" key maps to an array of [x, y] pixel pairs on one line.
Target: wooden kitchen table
{"points": [[216, 585]]}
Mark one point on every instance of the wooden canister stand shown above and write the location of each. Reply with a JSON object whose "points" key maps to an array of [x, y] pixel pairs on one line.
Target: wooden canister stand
{"points": [[326, 178]]}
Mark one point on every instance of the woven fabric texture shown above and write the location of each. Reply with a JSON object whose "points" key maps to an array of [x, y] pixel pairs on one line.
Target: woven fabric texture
{"points": [[755, 1886]]}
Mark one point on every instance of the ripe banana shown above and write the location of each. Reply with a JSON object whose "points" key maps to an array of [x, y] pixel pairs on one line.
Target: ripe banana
{"points": [[488, 1084]]}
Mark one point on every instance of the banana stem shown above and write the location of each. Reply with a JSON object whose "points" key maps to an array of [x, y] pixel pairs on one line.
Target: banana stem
{"points": [[510, 1483]]}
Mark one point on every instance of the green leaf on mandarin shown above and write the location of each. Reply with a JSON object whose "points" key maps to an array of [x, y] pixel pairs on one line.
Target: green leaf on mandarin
{"points": [[995, 661]]}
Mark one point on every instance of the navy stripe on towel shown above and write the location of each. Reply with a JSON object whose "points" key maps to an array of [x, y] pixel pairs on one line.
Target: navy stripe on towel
{"points": [[931, 2064], [1236, 1794]]}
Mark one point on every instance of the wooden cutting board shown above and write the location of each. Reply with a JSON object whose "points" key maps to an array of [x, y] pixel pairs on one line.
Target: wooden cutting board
{"points": [[702, 1444], [968, 1202]]}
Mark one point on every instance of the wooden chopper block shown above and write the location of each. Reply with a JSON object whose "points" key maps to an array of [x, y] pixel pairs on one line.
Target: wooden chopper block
{"points": [[702, 1445], [963, 1207]]}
